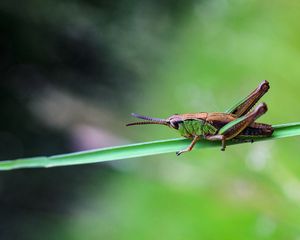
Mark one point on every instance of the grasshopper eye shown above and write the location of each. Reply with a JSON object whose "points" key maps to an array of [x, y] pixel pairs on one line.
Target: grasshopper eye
{"points": [[174, 124]]}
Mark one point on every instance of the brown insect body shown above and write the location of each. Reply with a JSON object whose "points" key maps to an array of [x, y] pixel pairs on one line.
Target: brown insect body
{"points": [[219, 120]]}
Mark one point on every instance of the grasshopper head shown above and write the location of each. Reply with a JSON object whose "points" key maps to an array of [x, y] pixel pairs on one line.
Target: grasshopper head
{"points": [[171, 121], [174, 121]]}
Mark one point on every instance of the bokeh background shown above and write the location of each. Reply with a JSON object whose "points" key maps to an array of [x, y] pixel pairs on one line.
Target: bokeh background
{"points": [[73, 71]]}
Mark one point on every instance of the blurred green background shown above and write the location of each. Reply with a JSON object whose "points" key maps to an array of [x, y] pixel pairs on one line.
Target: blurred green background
{"points": [[73, 71]]}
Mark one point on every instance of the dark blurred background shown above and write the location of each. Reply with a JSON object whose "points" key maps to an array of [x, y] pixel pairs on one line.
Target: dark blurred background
{"points": [[73, 71]]}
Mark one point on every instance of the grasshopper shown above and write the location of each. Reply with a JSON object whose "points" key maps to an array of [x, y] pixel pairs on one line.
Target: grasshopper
{"points": [[237, 123]]}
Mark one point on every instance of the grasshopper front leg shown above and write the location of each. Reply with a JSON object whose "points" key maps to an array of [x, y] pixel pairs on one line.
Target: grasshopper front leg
{"points": [[244, 106], [234, 128], [190, 147]]}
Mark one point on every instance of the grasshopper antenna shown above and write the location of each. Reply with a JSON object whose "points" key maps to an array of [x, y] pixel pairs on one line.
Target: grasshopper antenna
{"points": [[149, 120]]}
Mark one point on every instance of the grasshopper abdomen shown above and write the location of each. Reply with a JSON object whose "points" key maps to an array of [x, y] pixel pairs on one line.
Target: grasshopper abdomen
{"points": [[257, 130]]}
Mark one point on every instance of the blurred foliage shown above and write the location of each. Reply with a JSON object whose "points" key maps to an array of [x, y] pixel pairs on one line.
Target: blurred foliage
{"points": [[72, 71]]}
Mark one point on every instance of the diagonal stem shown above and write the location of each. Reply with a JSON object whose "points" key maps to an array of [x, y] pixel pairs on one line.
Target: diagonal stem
{"points": [[133, 150]]}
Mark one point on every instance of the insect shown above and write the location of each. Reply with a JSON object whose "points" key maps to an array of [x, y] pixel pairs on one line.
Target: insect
{"points": [[237, 123]]}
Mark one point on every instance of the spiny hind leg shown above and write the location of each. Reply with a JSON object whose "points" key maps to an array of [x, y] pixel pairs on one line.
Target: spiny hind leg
{"points": [[245, 105], [234, 128], [190, 147]]}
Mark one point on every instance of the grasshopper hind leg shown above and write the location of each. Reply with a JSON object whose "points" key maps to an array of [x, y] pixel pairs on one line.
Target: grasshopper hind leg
{"points": [[234, 128], [245, 105]]}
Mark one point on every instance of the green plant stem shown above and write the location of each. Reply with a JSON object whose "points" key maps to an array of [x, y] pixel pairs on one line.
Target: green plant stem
{"points": [[132, 150]]}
